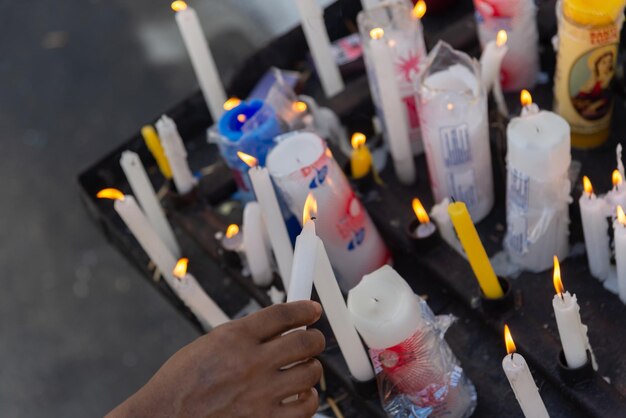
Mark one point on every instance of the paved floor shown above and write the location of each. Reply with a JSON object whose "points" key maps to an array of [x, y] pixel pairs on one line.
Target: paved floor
{"points": [[79, 330]]}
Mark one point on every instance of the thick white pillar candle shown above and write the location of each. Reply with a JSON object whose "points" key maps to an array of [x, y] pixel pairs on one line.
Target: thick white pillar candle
{"points": [[201, 58], [571, 330], [143, 190], [524, 387], [176, 155], [593, 213], [394, 113], [209, 314], [339, 317], [314, 27], [619, 228], [256, 245], [538, 187]]}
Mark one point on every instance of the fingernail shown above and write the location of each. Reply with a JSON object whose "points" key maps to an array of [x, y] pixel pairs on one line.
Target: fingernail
{"points": [[318, 308], [314, 391]]}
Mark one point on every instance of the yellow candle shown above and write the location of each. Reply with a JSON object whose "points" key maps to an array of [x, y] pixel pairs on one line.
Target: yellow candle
{"points": [[593, 12], [154, 145], [361, 159], [474, 250]]}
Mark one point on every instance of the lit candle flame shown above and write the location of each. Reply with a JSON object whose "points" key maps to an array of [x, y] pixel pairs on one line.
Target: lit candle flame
{"points": [[232, 230], [310, 209], [179, 5], [526, 98], [450, 106], [621, 217], [587, 185], [419, 10], [242, 118], [112, 194], [556, 277], [617, 178], [377, 33], [358, 140], [299, 106], [420, 212], [248, 159], [501, 37], [180, 270], [508, 341], [232, 103]]}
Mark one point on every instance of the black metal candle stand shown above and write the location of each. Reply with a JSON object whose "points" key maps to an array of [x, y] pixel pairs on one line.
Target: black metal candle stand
{"points": [[502, 305], [422, 244], [576, 376]]}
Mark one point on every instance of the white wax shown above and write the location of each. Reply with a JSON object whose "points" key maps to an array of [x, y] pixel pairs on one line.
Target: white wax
{"points": [[384, 309], [256, 245], [439, 214], [524, 386], [593, 213], [339, 318], [620, 258], [369, 4], [143, 191], [538, 189], [202, 61], [490, 63], [273, 218], [573, 336], [209, 314], [304, 260], [176, 155], [314, 27], [147, 237], [394, 113], [616, 197]]}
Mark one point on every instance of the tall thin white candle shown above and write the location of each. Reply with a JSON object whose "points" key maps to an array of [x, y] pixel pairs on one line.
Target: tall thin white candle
{"points": [[143, 190], [303, 269], [314, 27], [176, 155], [209, 314], [593, 212], [490, 65], [619, 228], [256, 245], [201, 58]]}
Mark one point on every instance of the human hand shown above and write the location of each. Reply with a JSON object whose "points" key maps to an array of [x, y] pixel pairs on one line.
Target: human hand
{"points": [[235, 370]]}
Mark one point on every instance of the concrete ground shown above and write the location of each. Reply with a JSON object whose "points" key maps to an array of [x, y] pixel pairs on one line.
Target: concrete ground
{"points": [[79, 329]]}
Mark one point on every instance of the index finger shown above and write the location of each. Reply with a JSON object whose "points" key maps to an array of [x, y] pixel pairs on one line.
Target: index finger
{"points": [[277, 319]]}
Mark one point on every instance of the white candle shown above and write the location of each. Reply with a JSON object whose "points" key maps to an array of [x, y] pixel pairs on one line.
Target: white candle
{"points": [[593, 212], [201, 58], [314, 27], [209, 314], [617, 195], [303, 270], [369, 4], [256, 245], [490, 64], [538, 187], [619, 228], [176, 155], [279, 237], [141, 228], [143, 190], [571, 330], [522, 382], [339, 317], [394, 114]]}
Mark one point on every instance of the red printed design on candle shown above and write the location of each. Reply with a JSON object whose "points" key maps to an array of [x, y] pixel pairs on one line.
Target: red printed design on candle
{"points": [[351, 226]]}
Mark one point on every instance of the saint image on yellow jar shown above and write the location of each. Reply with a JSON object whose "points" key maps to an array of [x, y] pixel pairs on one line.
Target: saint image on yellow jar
{"points": [[588, 41]]}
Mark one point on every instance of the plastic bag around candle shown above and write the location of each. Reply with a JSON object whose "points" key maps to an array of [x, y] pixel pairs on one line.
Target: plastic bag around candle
{"points": [[421, 377]]}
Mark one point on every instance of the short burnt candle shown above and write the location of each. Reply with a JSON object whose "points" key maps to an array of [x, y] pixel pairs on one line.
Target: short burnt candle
{"points": [[232, 242], [421, 231]]}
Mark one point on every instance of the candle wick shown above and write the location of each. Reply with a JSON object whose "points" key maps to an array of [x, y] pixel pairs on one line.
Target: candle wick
{"points": [[453, 199], [562, 297], [512, 355], [313, 218], [375, 300]]}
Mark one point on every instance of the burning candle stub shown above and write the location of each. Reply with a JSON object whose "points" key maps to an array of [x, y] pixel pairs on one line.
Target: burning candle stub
{"points": [[619, 228], [421, 230], [208, 313], [522, 382], [232, 242], [361, 159], [593, 215]]}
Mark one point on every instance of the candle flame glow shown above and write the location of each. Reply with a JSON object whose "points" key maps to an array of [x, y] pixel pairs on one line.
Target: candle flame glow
{"points": [[310, 209], [299, 106], [587, 185], [501, 37], [508, 340], [179, 5], [358, 140], [248, 159], [232, 103], [556, 277], [617, 178], [526, 98], [621, 217], [420, 212], [180, 270], [377, 33], [232, 230], [242, 118], [112, 194], [419, 10]]}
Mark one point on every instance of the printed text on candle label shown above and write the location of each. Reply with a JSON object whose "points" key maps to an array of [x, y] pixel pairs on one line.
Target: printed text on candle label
{"points": [[455, 145], [518, 188]]}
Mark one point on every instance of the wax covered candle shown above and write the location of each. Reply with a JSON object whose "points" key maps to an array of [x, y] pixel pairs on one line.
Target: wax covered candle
{"points": [[593, 212]]}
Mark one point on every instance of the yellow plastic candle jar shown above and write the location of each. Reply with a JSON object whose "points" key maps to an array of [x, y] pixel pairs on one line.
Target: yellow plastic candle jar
{"points": [[588, 40]]}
